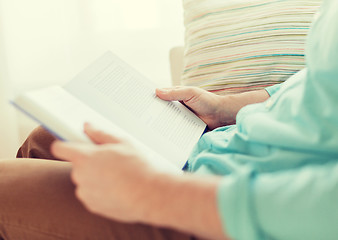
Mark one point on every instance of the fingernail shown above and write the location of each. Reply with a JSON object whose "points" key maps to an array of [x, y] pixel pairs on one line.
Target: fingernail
{"points": [[164, 90]]}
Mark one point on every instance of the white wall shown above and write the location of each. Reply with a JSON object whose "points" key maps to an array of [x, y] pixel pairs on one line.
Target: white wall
{"points": [[8, 130], [49, 41]]}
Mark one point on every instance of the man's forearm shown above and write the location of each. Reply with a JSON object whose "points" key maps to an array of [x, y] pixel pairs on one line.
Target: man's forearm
{"points": [[233, 103], [187, 203]]}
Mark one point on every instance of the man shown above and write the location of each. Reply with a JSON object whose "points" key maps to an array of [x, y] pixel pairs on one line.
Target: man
{"points": [[273, 175]]}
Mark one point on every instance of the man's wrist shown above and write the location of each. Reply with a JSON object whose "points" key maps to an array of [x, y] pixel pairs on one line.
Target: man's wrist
{"points": [[183, 202], [156, 187], [227, 110], [231, 104]]}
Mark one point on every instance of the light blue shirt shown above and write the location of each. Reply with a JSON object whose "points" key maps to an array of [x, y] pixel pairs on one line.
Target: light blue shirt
{"points": [[280, 162]]}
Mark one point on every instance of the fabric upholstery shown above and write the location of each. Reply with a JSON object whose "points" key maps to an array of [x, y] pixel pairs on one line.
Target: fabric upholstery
{"points": [[241, 45]]}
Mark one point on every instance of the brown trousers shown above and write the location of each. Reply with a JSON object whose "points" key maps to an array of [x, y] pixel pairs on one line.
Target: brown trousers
{"points": [[37, 201]]}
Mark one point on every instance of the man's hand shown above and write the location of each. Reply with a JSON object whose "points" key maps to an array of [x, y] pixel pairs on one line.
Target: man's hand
{"points": [[110, 177], [112, 180], [214, 110], [205, 105]]}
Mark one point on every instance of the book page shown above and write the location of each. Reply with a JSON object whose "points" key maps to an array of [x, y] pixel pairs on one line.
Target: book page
{"points": [[64, 115], [125, 97]]}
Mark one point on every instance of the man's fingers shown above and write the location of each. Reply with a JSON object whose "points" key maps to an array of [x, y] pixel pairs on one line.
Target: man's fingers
{"points": [[99, 137], [176, 93], [72, 152]]}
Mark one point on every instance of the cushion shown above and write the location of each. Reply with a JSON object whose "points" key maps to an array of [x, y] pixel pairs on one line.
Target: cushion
{"points": [[241, 45]]}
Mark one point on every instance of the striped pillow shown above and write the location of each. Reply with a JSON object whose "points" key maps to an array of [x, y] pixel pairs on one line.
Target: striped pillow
{"points": [[241, 45]]}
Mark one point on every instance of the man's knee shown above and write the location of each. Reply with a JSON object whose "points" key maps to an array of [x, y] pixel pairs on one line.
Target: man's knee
{"points": [[37, 145]]}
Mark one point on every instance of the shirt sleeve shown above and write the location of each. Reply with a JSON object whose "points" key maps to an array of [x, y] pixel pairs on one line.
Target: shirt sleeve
{"points": [[294, 204], [273, 89]]}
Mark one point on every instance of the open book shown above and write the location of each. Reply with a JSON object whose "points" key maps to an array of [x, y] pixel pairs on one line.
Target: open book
{"points": [[115, 98]]}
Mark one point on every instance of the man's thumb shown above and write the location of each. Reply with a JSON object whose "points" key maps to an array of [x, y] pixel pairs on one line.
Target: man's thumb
{"points": [[175, 94]]}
